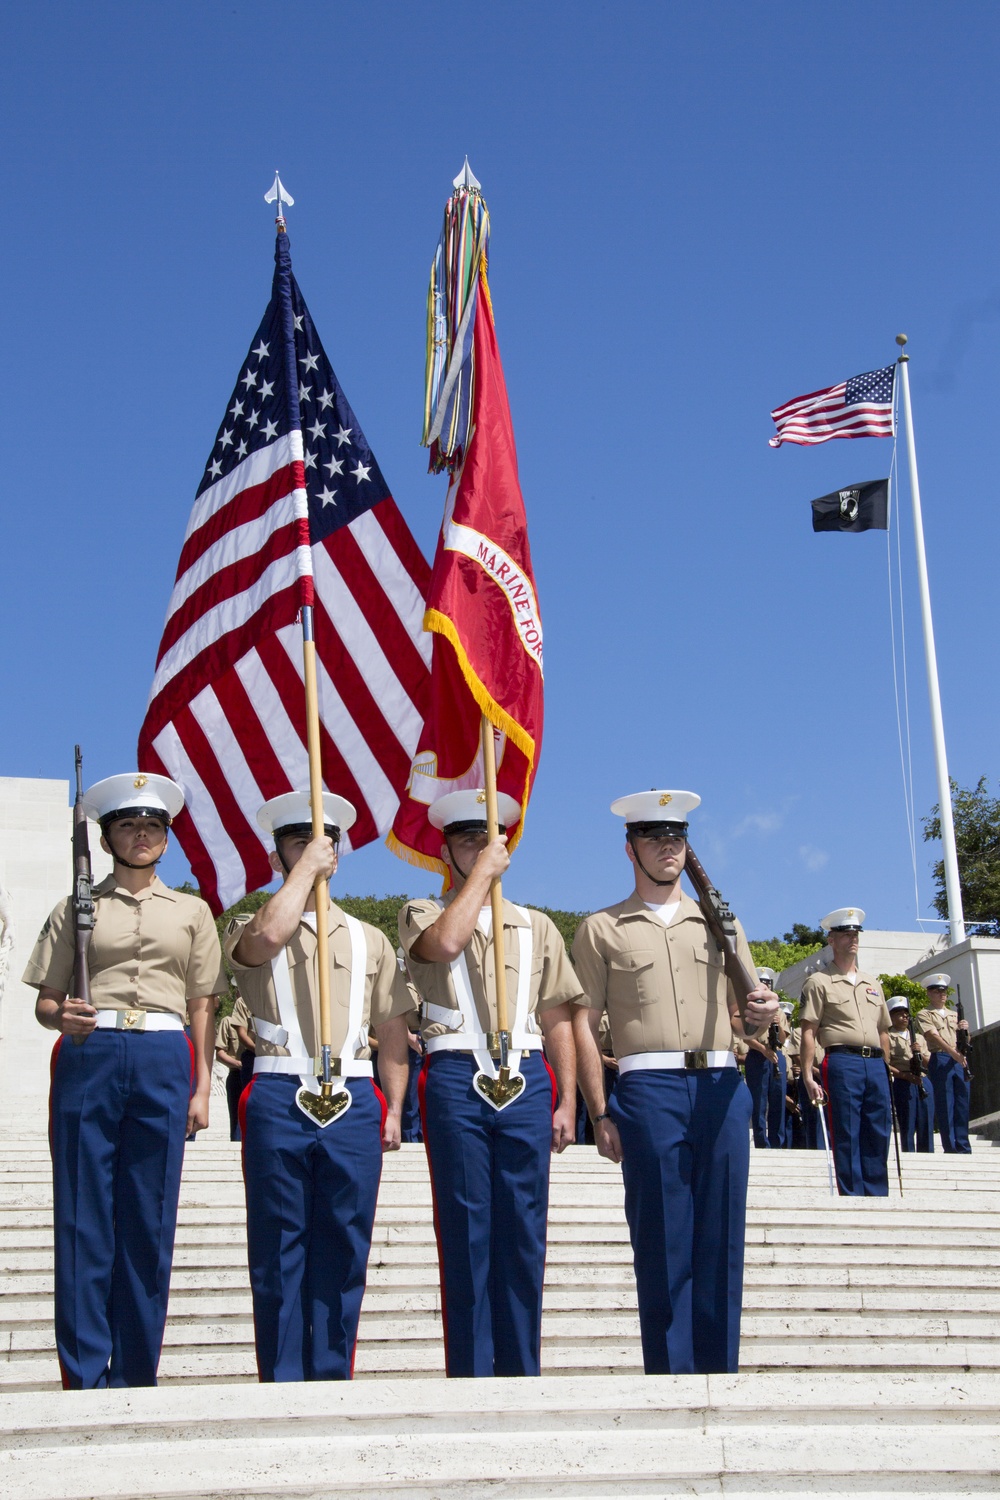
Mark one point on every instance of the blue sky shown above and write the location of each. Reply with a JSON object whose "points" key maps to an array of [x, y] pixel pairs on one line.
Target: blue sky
{"points": [[699, 210]]}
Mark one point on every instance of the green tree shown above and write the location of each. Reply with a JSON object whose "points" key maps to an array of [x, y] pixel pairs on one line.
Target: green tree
{"points": [[778, 953], [805, 936], [977, 840]]}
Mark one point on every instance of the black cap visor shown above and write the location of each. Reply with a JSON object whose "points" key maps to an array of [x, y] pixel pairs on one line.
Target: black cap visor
{"points": [[331, 831], [468, 825], [139, 811], [658, 830]]}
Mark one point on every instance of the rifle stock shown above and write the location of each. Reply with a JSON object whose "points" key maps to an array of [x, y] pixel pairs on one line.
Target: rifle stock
{"points": [[722, 926], [83, 899]]}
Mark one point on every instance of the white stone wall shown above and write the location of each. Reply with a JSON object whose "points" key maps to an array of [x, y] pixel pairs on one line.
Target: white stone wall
{"points": [[36, 868], [973, 967], [879, 952]]}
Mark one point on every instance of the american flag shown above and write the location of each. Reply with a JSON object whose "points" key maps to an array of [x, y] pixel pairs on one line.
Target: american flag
{"points": [[292, 510], [859, 407]]}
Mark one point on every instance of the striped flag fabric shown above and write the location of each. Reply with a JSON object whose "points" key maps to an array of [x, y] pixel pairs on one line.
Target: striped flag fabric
{"points": [[292, 510], [859, 407], [482, 604]]}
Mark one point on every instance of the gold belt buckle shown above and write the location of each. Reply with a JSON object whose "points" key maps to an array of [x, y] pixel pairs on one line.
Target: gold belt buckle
{"points": [[697, 1059], [132, 1020]]}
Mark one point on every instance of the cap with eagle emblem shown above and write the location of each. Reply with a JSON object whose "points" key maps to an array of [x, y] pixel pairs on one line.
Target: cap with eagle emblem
{"points": [[844, 919], [645, 813], [292, 812], [937, 982], [133, 794], [464, 811]]}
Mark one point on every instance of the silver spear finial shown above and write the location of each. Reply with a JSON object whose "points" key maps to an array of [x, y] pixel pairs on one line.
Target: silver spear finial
{"points": [[278, 195], [466, 178]]}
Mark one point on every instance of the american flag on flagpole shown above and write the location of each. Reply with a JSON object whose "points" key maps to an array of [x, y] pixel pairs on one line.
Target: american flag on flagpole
{"points": [[292, 509], [859, 407]]}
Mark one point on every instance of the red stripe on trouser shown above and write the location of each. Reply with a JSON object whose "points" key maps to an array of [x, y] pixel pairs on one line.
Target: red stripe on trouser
{"points": [[63, 1374], [421, 1096], [241, 1115], [383, 1105], [552, 1080]]}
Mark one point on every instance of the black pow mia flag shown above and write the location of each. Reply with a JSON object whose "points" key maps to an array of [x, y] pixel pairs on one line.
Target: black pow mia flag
{"points": [[859, 507]]}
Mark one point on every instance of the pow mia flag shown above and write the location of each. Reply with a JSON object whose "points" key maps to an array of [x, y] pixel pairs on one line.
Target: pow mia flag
{"points": [[859, 507]]}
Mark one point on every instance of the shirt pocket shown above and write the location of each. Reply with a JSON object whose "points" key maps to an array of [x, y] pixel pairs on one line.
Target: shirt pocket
{"points": [[711, 973], [632, 977]]}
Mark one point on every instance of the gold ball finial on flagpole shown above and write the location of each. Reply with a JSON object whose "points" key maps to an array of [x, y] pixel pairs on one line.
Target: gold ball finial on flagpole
{"points": [[902, 341]]}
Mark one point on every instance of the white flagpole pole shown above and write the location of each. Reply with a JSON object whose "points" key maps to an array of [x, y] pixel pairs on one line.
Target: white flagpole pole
{"points": [[953, 889]]}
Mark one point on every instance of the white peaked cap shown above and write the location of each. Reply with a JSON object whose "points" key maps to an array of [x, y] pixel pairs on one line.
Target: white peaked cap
{"points": [[296, 807], [787, 1007], [469, 806], [844, 916], [937, 982], [899, 1002], [133, 791], [656, 806], [766, 974]]}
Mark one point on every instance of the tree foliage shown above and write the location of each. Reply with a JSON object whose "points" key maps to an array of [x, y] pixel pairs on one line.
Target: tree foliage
{"points": [[977, 840], [779, 953]]}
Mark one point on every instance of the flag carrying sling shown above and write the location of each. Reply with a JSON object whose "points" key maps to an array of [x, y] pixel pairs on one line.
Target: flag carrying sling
{"points": [[292, 510]]}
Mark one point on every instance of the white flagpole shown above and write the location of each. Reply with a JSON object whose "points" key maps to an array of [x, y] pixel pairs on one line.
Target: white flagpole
{"points": [[953, 889]]}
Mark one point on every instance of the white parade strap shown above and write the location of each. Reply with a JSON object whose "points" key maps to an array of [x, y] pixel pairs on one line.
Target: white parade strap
{"points": [[293, 1032], [676, 1061], [474, 1040]]}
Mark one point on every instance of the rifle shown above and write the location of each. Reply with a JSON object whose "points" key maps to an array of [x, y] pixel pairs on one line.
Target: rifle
{"points": [[963, 1046], [83, 898], [722, 926], [916, 1065]]}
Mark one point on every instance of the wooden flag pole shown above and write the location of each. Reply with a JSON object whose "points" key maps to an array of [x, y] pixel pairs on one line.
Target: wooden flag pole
{"points": [[496, 894], [326, 1105]]}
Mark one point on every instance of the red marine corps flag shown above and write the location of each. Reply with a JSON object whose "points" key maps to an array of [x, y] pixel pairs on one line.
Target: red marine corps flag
{"points": [[482, 608]]}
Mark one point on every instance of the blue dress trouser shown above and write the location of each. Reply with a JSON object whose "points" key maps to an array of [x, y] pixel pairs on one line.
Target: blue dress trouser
{"points": [[409, 1125], [951, 1102], [311, 1195], [686, 1159], [118, 1118], [490, 1180], [860, 1119], [767, 1090], [812, 1136], [915, 1115]]}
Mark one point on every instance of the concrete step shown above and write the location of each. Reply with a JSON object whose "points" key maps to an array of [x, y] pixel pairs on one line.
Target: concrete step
{"points": [[561, 1439]]}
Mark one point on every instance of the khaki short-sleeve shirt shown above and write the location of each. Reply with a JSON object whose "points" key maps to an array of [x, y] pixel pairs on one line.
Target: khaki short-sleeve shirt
{"points": [[939, 1028], [847, 1012], [227, 1039], [900, 1050], [386, 993], [553, 981], [664, 988], [794, 1046], [154, 951]]}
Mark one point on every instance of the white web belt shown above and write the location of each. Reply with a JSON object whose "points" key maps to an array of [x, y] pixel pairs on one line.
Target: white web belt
{"points": [[345, 1065]]}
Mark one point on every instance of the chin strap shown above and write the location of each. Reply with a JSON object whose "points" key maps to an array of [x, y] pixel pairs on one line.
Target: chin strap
{"points": [[642, 867]]}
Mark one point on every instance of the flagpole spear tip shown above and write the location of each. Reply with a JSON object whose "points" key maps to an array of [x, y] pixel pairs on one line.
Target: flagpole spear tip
{"points": [[902, 341], [278, 195], [466, 178]]}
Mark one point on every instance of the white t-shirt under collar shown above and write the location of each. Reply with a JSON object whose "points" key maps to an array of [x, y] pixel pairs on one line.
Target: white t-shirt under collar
{"points": [[666, 912]]}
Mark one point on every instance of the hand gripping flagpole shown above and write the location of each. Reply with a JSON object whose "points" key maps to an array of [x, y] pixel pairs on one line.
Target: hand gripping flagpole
{"points": [[505, 1087], [952, 885]]}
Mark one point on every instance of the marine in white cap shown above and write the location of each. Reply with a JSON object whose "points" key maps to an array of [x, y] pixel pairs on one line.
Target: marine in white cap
{"points": [[122, 1100], [843, 1009], [947, 1038], [912, 1095], [679, 1119], [489, 1167], [311, 1189]]}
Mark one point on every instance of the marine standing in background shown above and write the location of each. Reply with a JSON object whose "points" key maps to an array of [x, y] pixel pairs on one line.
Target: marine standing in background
{"points": [[489, 1167], [845, 1011], [912, 1093], [311, 1189], [679, 1120], [127, 1086], [947, 1070], [765, 1071]]}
